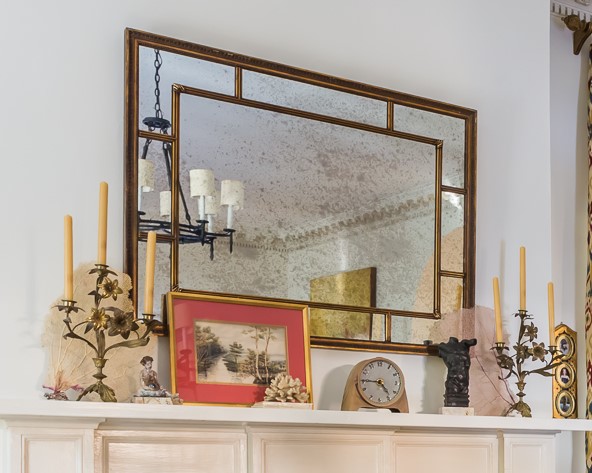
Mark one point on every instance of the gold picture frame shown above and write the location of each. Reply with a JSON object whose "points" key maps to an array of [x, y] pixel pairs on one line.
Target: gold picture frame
{"points": [[226, 350], [352, 288], [565, 375]]}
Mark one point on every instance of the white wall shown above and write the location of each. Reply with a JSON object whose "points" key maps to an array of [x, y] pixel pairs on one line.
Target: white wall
{"points": [[569, 189], [62, 103]]}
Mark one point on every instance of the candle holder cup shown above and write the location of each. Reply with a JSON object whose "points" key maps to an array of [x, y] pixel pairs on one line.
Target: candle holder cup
{"points": [[514, 364], [106, 322]]}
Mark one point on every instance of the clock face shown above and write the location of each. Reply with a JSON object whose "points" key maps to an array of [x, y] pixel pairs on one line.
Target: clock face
{"points": [[380, 382]]}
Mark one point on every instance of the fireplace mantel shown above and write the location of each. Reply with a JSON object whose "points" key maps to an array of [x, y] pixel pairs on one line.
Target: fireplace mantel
{"points": [[99, 437]]}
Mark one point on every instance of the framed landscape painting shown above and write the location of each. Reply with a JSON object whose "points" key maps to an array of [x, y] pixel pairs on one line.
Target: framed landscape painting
{"points": [[226, 350]]}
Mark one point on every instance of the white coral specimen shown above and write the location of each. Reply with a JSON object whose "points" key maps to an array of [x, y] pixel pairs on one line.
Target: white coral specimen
{"points": [[284, 388]]}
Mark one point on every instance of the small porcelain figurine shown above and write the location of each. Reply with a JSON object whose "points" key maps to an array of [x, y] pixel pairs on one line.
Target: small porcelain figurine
{"points": [[149, 380], [151, 391]]}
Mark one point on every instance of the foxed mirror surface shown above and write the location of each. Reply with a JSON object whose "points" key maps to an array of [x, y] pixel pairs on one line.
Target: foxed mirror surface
{"points": [[333, 186]]}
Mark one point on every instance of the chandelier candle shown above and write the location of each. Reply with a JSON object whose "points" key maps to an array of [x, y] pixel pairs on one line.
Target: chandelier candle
{"points": [[68, 260], [149, 287], [146, 175], [232, 195], [202, 185], [211, 209], [145, 178], [165, 203], [103, 197]]}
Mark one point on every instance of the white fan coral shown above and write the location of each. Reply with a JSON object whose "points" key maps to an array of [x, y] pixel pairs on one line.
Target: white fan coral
{"points": [[284, 388]]}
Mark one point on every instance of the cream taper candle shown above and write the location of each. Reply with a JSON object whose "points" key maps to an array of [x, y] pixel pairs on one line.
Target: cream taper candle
{"points": [[68, 260], [103, 198], [149, 282], [499, 336], [522, 278], [551, 303]]}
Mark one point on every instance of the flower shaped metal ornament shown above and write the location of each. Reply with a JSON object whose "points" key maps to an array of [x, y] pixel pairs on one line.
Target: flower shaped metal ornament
{"points": [[103, 324], [109, 288], [531, 331], [514, 364], [538, 351]]}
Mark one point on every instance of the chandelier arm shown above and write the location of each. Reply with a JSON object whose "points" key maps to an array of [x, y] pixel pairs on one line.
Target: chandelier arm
{"points": [[145, 148], [166, 149], [167, 162], [184, 203]]}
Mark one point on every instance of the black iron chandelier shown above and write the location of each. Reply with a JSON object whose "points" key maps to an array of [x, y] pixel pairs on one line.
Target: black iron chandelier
{"points": [[202, 186]]}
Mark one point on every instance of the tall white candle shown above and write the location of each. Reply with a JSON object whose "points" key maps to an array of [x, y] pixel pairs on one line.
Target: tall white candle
{"points": [[522, 278], [499, 335], [103, 198], [68, 260], [551, 304], [149, 283]]}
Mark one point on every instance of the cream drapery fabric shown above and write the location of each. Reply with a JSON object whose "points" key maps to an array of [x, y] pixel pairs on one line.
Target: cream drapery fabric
{"points": [[589, 278]]}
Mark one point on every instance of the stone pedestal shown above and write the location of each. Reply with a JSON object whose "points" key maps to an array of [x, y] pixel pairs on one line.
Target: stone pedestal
{"points": [[153, 400], [457, 411]]}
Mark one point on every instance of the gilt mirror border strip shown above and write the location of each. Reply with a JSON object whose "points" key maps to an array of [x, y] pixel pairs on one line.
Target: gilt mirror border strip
{"points": [[135, 39]]}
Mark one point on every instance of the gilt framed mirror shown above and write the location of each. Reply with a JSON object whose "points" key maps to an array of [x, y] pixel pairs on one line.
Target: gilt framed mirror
{"points": [[272, 182]]}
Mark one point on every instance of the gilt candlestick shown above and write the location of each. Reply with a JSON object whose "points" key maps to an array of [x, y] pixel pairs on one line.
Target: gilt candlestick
{"points": [[525, 348]]}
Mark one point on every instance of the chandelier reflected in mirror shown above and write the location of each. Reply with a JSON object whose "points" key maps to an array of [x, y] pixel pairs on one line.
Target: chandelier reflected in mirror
{"points": [[209, 200]]}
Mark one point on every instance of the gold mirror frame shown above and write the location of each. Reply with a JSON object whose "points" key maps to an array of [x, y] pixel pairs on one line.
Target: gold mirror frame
{"points": [[136, 39]]}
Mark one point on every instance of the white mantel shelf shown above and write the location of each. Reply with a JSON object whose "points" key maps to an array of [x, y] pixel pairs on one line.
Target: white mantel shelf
{"points": [[40, 436], [40, 410]]}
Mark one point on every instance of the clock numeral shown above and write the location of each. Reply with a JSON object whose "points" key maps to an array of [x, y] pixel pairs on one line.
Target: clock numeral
{"points": [[388, 367], [363, 389], [371, 366], [379, 363], [365, 372], [388, 398], [380, 399], [370, 397]]}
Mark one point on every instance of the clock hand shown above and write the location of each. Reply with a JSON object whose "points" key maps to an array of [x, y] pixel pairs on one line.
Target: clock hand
{"points": [[378, 381]]}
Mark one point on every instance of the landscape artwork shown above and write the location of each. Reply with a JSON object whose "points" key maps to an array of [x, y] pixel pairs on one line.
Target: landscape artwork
{"points": [[356, 288], [235, 353]]}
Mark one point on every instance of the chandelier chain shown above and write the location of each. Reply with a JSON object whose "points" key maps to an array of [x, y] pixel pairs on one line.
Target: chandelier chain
{"points": [[157, 66]]}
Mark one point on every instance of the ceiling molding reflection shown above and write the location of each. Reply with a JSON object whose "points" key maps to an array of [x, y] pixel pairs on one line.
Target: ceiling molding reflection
{"points": [[408, 209], [565, 8]]}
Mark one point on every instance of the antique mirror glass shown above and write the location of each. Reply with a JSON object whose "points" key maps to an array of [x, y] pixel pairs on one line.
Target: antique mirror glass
{"points": [[357, 199]]}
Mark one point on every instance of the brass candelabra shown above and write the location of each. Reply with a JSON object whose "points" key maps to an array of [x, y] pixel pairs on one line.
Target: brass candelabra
{"points": [[514, 364], [106, 322]]}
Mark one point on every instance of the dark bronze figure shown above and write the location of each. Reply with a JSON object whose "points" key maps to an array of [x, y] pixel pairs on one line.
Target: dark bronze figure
{"points": [[455, 354]]}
